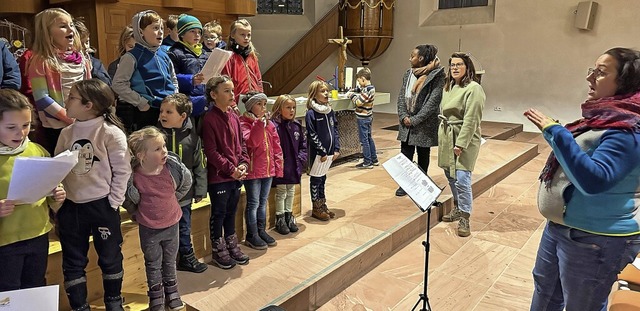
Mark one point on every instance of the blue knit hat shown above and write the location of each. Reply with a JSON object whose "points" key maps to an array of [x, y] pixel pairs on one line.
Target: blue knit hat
{"points": [[187, 22]]}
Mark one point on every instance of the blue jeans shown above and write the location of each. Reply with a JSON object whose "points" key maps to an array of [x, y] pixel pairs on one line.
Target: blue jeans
{"points": [[575, 269], [257, 196], [461, 189], [368, 146], [185, 230]]}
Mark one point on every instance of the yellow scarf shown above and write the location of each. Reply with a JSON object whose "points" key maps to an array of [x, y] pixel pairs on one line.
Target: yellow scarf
{"points": [[196, 49]]}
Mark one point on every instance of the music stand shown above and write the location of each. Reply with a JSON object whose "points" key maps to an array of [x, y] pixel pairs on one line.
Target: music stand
{"points": [[427, 247]]}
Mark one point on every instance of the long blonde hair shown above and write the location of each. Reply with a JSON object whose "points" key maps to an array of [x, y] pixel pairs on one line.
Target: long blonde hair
{"points": [[314, 89], [276, 110], [43, 48], [137, 142], [232, 31]]}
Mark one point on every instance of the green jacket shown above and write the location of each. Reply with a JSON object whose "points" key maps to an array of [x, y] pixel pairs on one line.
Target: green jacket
{"points": [[460, 115]]}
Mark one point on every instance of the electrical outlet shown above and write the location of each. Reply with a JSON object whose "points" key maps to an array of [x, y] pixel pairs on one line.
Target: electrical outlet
{"points": [[497, 108]]}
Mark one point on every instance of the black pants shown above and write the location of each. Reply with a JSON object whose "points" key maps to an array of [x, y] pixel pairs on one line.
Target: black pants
{"points": [[48, 138], [224, 203], [78, 221], [134, 119], [316, 186], [23, 264], [423, 154]]}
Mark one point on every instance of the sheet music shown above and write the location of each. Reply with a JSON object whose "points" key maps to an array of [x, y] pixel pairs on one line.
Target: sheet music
{"points": [[216, 61], [33, 178], [320, 168], [420, 187], [43, 298]]}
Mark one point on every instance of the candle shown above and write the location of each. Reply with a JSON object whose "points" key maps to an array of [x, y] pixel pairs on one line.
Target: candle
{"points": [[348, 77]]}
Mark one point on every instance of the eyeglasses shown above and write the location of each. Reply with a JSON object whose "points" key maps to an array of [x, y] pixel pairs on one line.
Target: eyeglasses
{"points": [[211, 38], [78, 98], [597, 72], [456, 65]]}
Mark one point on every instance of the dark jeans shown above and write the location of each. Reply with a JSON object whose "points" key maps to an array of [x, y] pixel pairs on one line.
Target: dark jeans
{"points": [[23, 264], [224, 203], [76, 223], [317, 187], [185, 230], [257, 191], [423, 155], [134, 119], [369, 153]]}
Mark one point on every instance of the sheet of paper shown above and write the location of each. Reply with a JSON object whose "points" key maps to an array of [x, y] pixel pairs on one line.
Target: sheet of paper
{"points": [[43, 298], [420, 187], [319, 168], [636, 263], [214, 64], [34, 178]]}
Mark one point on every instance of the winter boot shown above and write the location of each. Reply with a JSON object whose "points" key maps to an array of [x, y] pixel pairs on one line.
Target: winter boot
{"points": [[453, 215], [77, 294], [156, 298], [318, 212], [281, 225], [189, 262], [113, 303], [172, 297], [291, 221], [112, 285], [253, 240], [220, 254], [463, 225], [326, 209], [263, 233], [234, 250]]}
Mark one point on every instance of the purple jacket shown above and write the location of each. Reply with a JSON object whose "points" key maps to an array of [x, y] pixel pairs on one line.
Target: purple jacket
{"points": [[294, 148]]}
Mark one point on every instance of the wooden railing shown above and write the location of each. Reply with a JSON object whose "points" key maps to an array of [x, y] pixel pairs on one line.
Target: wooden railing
{"points": [[304, 57]]}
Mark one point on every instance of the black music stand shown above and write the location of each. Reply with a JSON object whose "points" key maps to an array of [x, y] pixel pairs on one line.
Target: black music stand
{"points": [[427, 246]]}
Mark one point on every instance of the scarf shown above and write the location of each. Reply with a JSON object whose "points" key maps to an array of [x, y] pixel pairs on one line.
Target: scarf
{"points": [[74, 57], [320, 108], [421, 74], [196, 49], [243, 51], [6, 150], [617, 112]]}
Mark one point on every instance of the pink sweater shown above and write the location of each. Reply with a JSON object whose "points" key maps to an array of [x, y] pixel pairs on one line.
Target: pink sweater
{"points": [[158, 207]]}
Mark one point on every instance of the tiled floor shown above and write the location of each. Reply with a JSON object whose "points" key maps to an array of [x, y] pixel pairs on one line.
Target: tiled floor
{"points": [[491, 270]]}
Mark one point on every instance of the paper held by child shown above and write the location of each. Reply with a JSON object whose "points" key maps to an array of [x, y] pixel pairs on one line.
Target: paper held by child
{"points": [[216, 61], [33, 178], [43, 298], [319, 168], [419, 186]]}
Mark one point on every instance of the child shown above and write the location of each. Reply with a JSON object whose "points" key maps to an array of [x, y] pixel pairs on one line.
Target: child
{"points": [[293, 143], [364, 114], [9, 71], [227, 164], [242, 67], [188, 59], [95, 190], [125, 44], [158, 182], [126, 112], [171, 25], [24, 242], [97, 68], [212, 36], [265, 156], [56, 64], [145, 75], [183, 140], [322, 135]]}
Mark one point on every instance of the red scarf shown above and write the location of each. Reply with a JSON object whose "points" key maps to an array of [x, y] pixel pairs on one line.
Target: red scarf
{"points": [[617, 112]]}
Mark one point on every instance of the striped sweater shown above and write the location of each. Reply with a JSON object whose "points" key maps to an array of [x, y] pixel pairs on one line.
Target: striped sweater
{"points": [[363, 100]]}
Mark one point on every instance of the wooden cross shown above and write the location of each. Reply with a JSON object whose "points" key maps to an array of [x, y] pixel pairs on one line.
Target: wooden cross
{"points": [[342, 56]]}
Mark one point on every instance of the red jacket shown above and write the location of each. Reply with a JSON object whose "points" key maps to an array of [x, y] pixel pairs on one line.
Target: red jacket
{"points": [[263, 146], [245, 74], [223, 144]]}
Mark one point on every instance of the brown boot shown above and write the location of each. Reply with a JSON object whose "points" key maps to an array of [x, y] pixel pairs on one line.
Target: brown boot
{"points": [[318, 212], [326, 209], [464, 230]]}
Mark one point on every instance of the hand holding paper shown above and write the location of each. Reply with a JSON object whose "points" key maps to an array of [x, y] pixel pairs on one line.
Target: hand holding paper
{"points": [[6, 207]]}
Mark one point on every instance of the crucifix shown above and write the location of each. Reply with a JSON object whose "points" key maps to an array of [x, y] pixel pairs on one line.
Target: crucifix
{"points": [[342, 57]]}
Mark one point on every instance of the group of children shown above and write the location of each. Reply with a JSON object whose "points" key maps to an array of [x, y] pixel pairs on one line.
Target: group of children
{"points": [[188, 140]]}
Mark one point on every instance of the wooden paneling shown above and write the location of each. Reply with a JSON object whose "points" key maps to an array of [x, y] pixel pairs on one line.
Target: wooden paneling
{"points": [[241, 7], [304, 57], [21, 6], [180, 4]]}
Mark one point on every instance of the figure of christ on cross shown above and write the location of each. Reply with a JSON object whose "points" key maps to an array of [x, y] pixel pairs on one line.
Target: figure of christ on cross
{"points": [[342, 57]]}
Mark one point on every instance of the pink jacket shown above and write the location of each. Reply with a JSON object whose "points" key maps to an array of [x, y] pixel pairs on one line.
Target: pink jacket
{"points": [[263, 147]]}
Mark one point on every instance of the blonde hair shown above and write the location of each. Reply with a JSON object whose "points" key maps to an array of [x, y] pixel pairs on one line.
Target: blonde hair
{"points": [[43, 48], [314, 89], [137, 142], [125, 35], [214, 27], [232, 31], [276, 110]]}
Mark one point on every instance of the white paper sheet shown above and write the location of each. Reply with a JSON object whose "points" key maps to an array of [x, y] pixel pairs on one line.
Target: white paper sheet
{"points": [[34, 178], [216, 61], [319, 168], [420, 187], [43, 298]]}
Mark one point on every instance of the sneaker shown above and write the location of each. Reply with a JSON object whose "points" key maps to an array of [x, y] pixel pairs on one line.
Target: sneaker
{"points": [[454, 215], [400, 192], [376, 163], [364, 166], [464, 230]]}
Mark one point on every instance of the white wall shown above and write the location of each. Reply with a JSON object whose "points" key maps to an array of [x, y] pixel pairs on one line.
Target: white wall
{"points": [[532, 54]]}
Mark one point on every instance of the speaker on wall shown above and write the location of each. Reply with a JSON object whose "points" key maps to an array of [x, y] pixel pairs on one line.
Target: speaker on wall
{"points": [[586, 14]]}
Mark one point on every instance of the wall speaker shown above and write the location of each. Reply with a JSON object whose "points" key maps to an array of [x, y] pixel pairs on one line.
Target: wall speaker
{"points": [[586, 14]]}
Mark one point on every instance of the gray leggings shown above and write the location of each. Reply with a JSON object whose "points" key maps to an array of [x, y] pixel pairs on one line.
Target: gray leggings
{"points": [[160, 248]]}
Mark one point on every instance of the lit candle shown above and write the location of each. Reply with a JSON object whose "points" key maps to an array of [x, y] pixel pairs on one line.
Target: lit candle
{"points": [[348, 77]]}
